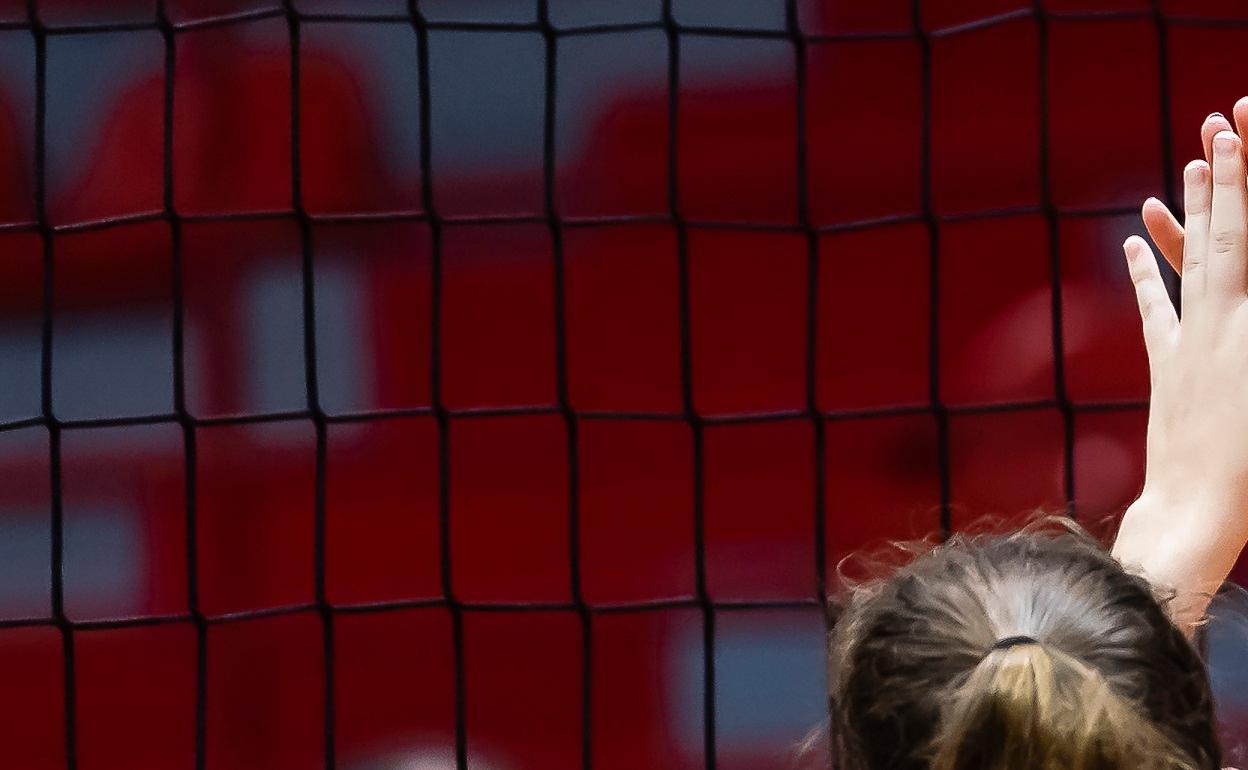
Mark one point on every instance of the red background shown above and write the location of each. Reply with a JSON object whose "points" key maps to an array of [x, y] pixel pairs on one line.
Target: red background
{"points": [[410, 390]]}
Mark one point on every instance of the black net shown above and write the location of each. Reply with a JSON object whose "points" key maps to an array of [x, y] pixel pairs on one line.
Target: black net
{"points": [[697, 427]]}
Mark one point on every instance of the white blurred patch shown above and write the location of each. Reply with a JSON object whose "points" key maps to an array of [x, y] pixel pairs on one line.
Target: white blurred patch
{"points": [[436, 758]]}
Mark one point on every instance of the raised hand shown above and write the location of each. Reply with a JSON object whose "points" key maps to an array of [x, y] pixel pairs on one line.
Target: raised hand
{"points": [[1165, 230], [1191, 521]]}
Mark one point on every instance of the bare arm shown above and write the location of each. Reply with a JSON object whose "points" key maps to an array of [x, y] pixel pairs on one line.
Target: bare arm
{"points": [[1191, 521]]}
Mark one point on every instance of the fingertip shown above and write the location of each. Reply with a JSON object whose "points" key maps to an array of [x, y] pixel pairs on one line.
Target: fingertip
{"points": [[1134, 245], [1154, 208], [1153, 211], [1197, 172], [1217, 118], [1225, 143], [1240, 113]]}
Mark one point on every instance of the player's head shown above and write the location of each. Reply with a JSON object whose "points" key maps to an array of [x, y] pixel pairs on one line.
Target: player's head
{"points": [[1108, 683]]}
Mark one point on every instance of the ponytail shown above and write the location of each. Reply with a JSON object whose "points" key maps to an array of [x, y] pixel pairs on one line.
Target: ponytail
{"points": [[1034, 706], [926, 671]]}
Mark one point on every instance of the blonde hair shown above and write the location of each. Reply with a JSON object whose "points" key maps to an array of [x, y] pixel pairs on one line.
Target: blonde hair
{"points": [[1109, 682], [1029, 707]]}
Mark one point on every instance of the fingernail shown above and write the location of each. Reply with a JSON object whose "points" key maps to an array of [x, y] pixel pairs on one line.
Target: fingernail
{"points": [[1216, 115], [1224, 144]]}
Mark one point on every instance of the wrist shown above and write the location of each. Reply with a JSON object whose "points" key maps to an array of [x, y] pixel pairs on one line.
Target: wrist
{"points": [[1185, 546]]}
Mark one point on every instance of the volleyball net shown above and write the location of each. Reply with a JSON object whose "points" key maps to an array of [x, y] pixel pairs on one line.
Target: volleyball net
{"points": [[413, 385]]}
